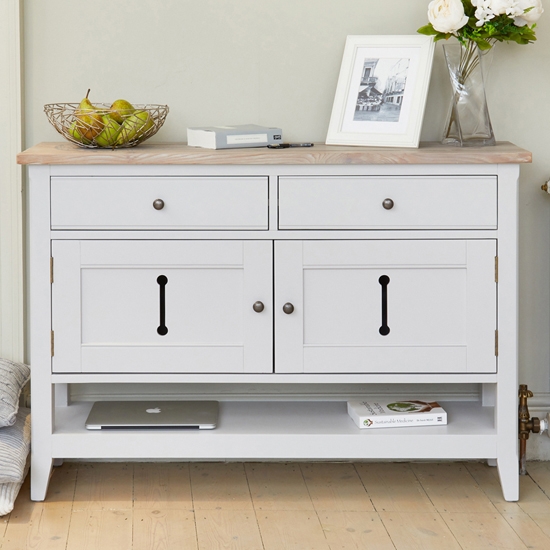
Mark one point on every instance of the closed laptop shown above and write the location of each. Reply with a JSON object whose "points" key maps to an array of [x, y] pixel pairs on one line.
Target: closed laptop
{"points": [[202, 415]]}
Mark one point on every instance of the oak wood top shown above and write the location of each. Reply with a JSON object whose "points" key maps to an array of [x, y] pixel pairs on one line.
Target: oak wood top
{"points": [[180, 153]]}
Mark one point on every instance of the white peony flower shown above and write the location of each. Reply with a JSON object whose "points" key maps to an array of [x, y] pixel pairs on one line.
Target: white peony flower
{"points": [[514, 10], [501, 7], [448, 16], [532, 15]]}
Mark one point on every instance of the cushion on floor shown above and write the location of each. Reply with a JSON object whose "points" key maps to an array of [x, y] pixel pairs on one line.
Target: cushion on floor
{"points": [[13, 377], [15, 443]]}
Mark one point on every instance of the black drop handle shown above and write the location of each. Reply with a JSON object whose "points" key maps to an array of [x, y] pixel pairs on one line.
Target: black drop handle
{"points": [[162, 280], [384, 282]]}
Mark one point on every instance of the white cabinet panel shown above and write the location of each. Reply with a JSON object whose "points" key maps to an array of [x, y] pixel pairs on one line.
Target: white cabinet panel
{"points": [[176, 306], [386, 306], [428, 202]]}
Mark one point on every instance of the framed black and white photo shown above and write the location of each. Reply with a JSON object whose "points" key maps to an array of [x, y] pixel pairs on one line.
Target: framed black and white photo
{"points": [[381, 92]]}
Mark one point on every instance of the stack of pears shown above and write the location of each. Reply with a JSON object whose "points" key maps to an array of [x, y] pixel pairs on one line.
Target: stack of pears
{"points": [[109, 127]]}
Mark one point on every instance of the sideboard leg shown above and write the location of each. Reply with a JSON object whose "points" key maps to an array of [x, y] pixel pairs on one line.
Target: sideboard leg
{"points": [[40, 329], [508, 471], [40, 477], [491, 462]]}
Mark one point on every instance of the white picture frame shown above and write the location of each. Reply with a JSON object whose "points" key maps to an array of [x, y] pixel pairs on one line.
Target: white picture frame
{"points": [[381, 92]]}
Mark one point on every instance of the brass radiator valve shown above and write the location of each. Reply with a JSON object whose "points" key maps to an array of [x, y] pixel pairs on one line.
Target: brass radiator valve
{"points": [[526, 425]]}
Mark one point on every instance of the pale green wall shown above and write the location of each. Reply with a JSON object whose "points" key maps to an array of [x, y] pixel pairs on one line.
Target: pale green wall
{"points": [[277, 63]]}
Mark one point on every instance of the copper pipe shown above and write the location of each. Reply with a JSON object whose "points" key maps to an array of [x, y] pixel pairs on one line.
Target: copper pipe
{"points": [[525, 426], [522, 457]]}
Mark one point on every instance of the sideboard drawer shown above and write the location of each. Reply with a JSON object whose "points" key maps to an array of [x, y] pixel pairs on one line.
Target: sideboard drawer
{"points": [[414, 202], [186, 203]]}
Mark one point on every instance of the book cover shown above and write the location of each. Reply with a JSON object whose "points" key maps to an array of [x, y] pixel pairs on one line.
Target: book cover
{"points": [[396, 413], [231, 137]]}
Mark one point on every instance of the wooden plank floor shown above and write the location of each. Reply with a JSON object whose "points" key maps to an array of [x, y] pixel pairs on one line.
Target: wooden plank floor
{"points": [[280, 506]]}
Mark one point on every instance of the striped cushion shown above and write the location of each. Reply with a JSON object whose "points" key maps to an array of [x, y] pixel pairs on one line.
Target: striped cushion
{"points": [[15, 443], [13, 376], [8, 494]]}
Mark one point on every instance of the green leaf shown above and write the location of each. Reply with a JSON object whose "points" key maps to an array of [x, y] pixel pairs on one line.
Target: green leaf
{"points": [[484, 45], [427, 30]]}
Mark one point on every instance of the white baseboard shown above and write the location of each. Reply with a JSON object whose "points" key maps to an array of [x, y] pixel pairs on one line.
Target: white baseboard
{"points": [[538, 447]]}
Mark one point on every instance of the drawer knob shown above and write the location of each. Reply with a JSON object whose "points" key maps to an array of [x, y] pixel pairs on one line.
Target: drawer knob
{"points": [[158, 204], [288, 308], [258, 307], [387, 204]]}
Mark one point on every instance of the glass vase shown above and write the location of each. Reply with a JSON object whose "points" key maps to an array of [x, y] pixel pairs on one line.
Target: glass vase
{"points": [[468, 123]]}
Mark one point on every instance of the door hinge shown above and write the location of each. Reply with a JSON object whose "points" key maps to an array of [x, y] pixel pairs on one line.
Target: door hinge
{"points": [[52, 343], [496, 269], [496, 343], [51, 270]]}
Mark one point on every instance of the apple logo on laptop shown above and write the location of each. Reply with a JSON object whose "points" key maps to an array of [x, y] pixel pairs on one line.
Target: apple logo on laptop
{"points": [[156, 410]]}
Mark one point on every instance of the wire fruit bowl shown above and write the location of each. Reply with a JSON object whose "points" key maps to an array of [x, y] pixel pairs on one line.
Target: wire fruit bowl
{"points": [[93, 129]]}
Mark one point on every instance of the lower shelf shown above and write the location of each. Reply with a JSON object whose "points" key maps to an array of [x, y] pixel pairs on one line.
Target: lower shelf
{"points": [[288, 430]]}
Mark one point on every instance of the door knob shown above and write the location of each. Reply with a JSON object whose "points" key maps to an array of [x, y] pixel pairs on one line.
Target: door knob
{"points": [[387, 204], [258, 307], [158, 204], [288, 308]]}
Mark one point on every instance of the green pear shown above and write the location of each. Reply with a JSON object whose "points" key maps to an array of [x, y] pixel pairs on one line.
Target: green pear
{"points": [[86, 104], [73, 132], [134, 127], [89, 121], [121, 109], [108, 135], [103, 111]]}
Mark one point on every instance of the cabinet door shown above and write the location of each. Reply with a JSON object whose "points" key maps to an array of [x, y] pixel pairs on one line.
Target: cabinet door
{"points": [[162, 306], [415, 306]]}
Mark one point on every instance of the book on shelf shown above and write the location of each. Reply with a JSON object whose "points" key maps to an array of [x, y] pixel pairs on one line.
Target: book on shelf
{"points": [[396, 413], [232, 137]]}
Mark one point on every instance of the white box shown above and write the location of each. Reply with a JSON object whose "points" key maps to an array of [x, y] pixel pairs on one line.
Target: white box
{"points": [[232, 137]]}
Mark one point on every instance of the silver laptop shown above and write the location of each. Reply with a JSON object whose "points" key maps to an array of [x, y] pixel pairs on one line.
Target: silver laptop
{"points": [[105, 415]]}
